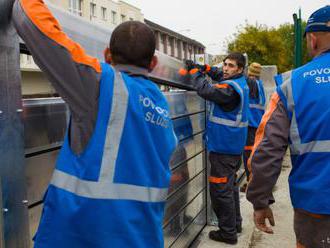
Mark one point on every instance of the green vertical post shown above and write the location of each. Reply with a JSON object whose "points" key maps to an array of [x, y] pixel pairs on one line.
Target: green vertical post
{"points": [[297, 39]]}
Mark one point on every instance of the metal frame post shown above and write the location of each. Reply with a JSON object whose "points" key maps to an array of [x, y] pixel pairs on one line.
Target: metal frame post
{"points": [[14, 211]]}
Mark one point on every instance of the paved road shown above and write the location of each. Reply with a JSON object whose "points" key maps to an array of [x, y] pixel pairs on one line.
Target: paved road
{"points": [[283, 236]]}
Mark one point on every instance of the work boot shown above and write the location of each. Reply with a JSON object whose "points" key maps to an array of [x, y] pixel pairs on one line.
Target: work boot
{"points": [[216, 236]]}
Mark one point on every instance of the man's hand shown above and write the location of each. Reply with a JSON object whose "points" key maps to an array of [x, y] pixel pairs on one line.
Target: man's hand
{"points": [[260, 217]]}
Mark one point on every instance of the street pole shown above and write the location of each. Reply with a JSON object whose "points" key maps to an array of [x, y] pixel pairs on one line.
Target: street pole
{"points": [[297, 39]]}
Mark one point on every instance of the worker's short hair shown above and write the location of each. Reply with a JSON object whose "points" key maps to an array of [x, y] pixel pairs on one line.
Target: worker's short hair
{"points": [[133, 43], [238, 57]]}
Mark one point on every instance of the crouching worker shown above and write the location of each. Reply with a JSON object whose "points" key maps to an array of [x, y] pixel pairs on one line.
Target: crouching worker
{"points": [[112, 175], [226, 134]]}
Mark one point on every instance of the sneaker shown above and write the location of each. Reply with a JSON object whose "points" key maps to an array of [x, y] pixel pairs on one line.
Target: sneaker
{"points": [[216, 236]]}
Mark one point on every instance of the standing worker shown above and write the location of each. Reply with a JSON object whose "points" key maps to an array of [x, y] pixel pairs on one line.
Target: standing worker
{"points": [[112, 175], [298, 116], [225, 139], [257, 101]]}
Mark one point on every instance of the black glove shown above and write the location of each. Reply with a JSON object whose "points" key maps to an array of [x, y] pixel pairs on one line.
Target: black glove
{"points": [[215, 73], [190, 65]]}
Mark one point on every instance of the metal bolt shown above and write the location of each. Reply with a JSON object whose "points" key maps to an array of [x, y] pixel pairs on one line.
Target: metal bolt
{"points": [[5, 210], [19, 110], [1, 112], [25, 202]]}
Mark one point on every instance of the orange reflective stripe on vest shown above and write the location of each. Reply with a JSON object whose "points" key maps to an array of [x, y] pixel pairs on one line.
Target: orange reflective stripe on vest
{"points": [[218, 179], [248, 148]]}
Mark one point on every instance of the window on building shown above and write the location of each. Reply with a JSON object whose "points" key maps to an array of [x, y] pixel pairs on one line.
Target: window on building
{"points": [[104, 13], [178, 49], [75, 7], [114, 17], [185, 55], [171, 47], [93, 9], [164, 43], [123, 18]]}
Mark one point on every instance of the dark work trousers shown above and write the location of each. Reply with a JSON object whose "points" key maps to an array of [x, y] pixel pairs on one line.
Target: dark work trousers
{"points": [[224, 192], [248, 149], [312, 230]]}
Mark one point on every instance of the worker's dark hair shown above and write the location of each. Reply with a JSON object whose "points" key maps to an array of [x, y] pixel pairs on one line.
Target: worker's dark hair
{"points": [[133, 43], [238, 57]]}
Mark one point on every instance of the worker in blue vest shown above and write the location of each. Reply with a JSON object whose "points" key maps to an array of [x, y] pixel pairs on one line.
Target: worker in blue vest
{"points": [[112, 175], [298, 117], [226, 134], [257, 102]]}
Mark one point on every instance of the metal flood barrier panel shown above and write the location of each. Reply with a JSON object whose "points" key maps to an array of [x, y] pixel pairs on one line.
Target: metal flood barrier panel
{"points": [[45, 121]]}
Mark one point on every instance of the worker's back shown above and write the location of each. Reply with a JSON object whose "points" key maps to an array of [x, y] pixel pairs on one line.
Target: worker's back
{"points": [[306, 95], [113, 193]]}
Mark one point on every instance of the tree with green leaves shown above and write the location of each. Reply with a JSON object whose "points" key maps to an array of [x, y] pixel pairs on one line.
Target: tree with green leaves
{"points": [[267, 46]]}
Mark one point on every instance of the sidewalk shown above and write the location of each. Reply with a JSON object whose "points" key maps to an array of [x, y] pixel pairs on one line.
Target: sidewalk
{"points": [[251, 238]]}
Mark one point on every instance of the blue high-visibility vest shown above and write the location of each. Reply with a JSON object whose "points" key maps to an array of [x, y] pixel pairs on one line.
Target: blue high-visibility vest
{"points": [[113, 194], [257, 106], [227, 131], [306, 96]]}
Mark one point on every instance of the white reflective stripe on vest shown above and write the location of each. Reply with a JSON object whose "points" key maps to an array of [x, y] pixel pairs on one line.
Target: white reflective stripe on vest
{"points": [[313, 146], [260, 105], [317, 24], [105, 188], [298, 148], [286, 76], [287, 89], [257, 106], [226, 122]]}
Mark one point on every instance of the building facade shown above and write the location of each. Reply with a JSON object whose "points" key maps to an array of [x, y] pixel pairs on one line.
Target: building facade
{"points": [[175, 44], [110, 13], [104, 12]]}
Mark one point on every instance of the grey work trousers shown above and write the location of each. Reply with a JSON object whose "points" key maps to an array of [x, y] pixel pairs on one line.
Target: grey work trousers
{"points": [[225, 193]]}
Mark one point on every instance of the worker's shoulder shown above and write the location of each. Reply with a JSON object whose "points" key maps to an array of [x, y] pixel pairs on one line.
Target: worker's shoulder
{"points": [[317, 66], [292, 75]]}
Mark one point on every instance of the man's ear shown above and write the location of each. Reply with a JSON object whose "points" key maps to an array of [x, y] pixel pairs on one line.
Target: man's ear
{"points": [[107, 55], [313, 41], [153, 63], [240, 70]]}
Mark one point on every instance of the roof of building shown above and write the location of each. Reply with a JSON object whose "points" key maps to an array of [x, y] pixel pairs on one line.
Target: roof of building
{"points": [[162, 29], [130, 5]]}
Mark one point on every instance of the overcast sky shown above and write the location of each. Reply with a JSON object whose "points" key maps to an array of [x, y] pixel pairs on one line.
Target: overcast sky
{"points": [[213, 21]]}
